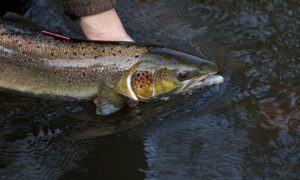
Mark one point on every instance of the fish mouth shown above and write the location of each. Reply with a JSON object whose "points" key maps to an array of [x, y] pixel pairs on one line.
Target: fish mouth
{"points": [[198, 83]]}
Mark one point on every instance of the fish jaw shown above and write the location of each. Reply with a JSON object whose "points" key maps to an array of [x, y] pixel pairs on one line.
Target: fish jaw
{"points": [[195, 84]]}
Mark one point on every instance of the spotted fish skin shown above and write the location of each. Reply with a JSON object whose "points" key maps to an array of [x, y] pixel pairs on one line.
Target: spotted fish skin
{"points": [[36, 62], [33, 62], [142, 84]]}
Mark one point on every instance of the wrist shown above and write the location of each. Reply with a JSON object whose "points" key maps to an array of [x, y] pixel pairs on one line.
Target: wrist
{"points": [[104, 26]]}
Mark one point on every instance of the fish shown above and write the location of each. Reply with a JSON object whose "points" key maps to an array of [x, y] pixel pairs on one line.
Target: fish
{"points": [[111, 74]]}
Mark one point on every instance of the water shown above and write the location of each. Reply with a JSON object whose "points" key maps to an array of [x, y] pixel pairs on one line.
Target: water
{"points": [[246, 129]]}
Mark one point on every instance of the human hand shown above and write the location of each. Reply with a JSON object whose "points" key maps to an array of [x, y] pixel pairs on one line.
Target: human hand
{"points": [[105, 26]]}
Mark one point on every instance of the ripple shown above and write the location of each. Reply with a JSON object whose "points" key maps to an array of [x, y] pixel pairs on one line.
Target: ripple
{"points": [[250, 129]]}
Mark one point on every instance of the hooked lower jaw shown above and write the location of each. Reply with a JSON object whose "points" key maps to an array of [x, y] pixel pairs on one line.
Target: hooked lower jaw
{"points": [[201, 83], [210, 80]]}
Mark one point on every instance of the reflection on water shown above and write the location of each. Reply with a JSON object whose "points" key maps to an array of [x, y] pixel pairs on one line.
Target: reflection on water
{"points": [[247, 128]]}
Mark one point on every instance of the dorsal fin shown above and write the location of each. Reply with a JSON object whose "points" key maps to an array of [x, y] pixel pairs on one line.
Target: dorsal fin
{"points": [[14, 17]]}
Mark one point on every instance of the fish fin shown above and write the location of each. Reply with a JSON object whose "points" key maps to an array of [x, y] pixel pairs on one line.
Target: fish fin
{"points": [[108, 101], [14, 17]]}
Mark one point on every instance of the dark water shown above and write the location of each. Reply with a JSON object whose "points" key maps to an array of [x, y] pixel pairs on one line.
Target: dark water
{"points": [[246, 129]]}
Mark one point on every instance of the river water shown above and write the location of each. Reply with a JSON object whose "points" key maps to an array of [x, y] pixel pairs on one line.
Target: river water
{"points": [[248, 128]]}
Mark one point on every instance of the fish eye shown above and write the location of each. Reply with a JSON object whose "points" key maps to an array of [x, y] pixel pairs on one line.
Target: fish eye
{"points": [[183, 75]]}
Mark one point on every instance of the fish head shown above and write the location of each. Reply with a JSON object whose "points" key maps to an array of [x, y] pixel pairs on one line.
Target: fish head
{"points": [[164, 72]]}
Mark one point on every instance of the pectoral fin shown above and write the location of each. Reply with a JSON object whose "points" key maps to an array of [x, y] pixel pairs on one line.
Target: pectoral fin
{"points": [[108, 101]]}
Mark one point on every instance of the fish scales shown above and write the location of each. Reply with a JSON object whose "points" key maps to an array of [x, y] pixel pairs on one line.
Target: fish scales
{"points": [[108, 72], [37, 63]]}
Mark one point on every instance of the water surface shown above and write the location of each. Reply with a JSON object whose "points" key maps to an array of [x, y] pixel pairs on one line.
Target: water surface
{"points": [[247, 128]]}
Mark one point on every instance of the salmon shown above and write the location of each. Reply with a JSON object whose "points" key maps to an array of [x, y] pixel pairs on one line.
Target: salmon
{"points": [[110, 73]]}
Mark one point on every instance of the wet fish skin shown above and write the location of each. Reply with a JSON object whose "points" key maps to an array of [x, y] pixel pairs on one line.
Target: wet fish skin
{"points": [[108, 72], [33, 62]]}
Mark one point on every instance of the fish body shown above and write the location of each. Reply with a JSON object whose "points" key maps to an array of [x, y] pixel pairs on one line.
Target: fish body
{"points": [[34, 62]]}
